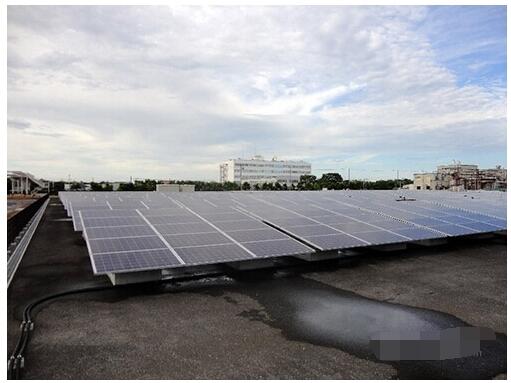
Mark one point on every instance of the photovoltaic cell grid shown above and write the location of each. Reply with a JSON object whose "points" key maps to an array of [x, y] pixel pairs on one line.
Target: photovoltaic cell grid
{"points": [[129, 231], [444, 218], [328, 226], [140, 239]]}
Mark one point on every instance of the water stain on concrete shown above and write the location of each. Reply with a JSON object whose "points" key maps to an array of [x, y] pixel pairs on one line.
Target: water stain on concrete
{"points": [[309, 311]]}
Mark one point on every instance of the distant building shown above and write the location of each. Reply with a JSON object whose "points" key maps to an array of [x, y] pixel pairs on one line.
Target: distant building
{"points": [[78, 186], [459, 177], [427, 181], [25, 183], [167, 187], [258, 171]]}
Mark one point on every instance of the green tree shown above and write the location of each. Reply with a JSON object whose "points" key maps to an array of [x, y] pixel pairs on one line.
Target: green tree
{"points": [[108, 187], [128, 186], [245, 186], [230, 186], [331, 181], [307, 182]]}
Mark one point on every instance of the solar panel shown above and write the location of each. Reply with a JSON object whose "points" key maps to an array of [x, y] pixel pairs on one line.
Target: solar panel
{"points": [[116, 237], [415, 233], [164, 219], [276, 247], [119, 232], [336, 241], [121, 244], [213, 254], [380, 237], [200, 239], [112, 221], [133, 231], [317, 229], [243, 224], [256, 235], [184, 228], [136, 260]]}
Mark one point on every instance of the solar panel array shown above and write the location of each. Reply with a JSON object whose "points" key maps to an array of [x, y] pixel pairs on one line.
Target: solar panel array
{"points": [[135, 231]]}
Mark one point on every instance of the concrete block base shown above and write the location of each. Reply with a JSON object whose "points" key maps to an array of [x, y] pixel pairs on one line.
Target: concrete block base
{"points": [[135, 277], [390, 247], [321, 256], [183, 272], [431, 242], [484, 235], [251, 265]]}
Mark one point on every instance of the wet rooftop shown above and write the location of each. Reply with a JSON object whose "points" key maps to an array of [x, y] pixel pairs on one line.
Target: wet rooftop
{"points": [[311, 321]]}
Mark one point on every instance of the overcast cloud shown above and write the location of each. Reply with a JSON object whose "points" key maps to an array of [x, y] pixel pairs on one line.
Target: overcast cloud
{"points": [[169, 92]]}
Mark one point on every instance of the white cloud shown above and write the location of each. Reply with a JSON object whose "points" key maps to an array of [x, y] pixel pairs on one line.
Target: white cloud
{"points": [[113, 92]]}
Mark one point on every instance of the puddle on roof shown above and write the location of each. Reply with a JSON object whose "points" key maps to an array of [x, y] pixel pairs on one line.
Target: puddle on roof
{"points": [[309, 311]]}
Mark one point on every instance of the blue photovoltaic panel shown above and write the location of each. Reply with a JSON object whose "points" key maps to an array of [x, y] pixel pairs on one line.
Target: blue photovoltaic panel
{"points": [[201, 239], [276, 247], [185, 228], [240, 225], [125, 244], [213, 254], [317, 229], [417, 233], [119, 242], [335, 241], [380, 237], [256, 235], [113, 221], [119, 231], [160, 220], [134, 261], [130, 231]]}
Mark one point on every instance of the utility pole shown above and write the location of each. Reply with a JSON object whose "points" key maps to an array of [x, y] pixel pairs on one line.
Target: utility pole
{"points": [[241, 177]]}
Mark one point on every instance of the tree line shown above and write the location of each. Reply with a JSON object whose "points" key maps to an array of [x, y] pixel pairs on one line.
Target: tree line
{"points": [[330, 181]]}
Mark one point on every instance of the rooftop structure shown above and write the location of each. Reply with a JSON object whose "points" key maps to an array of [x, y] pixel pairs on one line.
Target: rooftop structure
{"points": [[460, 177], [258, 171], [170, 187], [24, 182], [238, 327]]}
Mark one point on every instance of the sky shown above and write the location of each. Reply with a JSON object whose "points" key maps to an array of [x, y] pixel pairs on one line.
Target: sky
{"points": [[113, 92]]}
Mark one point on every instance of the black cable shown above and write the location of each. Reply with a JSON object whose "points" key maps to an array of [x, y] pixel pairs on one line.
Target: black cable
{"points": [[16, 361]]}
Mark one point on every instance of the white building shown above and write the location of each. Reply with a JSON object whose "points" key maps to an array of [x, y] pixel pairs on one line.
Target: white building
{"points": [[258, 170]]}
